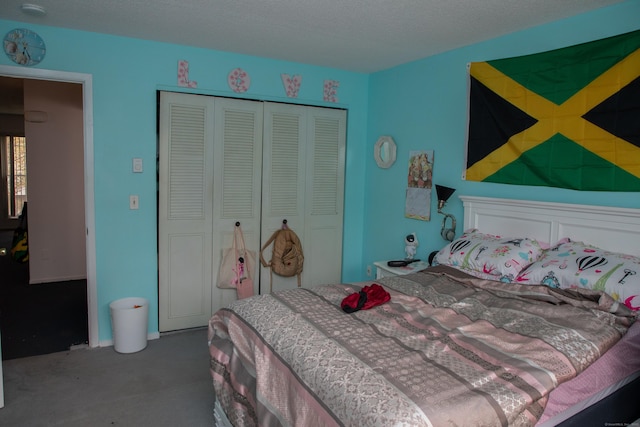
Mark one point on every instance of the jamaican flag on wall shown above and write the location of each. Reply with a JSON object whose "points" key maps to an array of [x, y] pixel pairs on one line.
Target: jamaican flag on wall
{"points": [[566, 118]]}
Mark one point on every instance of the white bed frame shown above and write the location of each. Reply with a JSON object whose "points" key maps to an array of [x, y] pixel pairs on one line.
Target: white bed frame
{"points": [[609, 228]]}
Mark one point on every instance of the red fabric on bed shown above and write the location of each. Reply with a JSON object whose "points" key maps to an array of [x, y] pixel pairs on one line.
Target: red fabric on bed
{"points": [[368, 297]]}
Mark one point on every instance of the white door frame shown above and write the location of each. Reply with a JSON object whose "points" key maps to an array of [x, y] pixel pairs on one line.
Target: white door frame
{"points": [[89, 207]]}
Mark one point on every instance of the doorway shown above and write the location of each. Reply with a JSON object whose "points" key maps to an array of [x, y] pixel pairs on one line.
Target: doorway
{"points": [[43, 296], [89, 213]]}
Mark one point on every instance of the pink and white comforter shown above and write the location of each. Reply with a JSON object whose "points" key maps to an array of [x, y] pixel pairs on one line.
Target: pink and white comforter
{"points": [[443, 351]]}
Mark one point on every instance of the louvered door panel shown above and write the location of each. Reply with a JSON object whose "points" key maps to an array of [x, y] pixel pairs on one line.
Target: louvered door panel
{"points": [[237, 182], [283, 177], [186, 166], [284, 174], [324, 195], [326, 166], [184, 211], [238, 155]]}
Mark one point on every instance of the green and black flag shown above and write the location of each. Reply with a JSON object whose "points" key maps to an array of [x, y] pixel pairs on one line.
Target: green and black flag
{"points": [[567, 118]]}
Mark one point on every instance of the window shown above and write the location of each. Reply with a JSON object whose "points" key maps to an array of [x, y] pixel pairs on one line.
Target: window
{"points": [[14, 171]]}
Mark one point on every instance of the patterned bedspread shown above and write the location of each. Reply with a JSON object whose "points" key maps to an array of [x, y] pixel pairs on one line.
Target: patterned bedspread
{"points": [[443, 351]]}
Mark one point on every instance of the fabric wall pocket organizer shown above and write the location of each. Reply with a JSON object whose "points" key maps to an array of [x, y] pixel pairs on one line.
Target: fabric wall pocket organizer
{"points": [[237, 266]]}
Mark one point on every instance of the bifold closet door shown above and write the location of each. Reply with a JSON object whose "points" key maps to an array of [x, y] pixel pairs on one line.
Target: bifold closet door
{"points": [[324, 202], [185, 211], [237, 162], [303, 182], [210, 163], [224, 161], [283, 178]]}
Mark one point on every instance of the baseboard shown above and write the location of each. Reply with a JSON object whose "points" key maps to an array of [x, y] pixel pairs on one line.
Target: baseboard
{"points": [[109, 343], [57, 279]]}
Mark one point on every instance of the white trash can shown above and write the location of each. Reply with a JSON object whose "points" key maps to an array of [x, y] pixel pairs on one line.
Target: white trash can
{"points": [[129, 324]]}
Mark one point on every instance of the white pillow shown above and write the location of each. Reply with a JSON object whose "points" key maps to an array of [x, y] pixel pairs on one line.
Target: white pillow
{"points": [[579, 265], [488, 256]]}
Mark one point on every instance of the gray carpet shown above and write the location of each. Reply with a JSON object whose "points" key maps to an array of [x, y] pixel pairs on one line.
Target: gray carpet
{"points": [[166, 384]]}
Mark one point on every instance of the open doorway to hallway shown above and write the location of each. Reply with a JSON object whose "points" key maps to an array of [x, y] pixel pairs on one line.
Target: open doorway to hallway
{"points": [[43, 302]]}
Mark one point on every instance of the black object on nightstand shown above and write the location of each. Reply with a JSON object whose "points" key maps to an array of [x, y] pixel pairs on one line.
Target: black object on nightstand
{"points": [[432, 255], [401, 262]]}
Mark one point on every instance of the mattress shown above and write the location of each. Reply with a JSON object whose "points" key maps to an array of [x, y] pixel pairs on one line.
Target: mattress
{"points": [[616, 368]]}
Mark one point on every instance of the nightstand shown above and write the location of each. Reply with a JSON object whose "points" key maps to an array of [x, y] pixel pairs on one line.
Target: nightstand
{"points": [[383, 270]]}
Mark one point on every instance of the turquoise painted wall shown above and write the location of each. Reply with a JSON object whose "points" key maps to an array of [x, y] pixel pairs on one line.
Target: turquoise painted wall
{"points": [[423, 105], [126, 75]]}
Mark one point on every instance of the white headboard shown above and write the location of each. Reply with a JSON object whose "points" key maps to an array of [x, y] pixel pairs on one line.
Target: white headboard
{"points": [[613, 229]]}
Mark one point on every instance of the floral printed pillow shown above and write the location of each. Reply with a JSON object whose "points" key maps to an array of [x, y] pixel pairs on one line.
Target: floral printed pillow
{"points": [[488, 256], [579, 265]]}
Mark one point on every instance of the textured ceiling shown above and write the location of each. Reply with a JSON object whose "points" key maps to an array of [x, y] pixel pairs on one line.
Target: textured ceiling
{"points": [[356, 35]]}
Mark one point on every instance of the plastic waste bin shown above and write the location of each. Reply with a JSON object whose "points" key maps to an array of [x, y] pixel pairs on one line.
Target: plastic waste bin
{"points": [[129, 323]]}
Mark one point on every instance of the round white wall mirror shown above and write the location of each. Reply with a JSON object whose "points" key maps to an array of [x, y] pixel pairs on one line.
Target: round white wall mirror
{"points": [[385, 152]]}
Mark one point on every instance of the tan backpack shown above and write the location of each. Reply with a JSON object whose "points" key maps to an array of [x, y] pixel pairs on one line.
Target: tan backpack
{"points": [[286, 257]]}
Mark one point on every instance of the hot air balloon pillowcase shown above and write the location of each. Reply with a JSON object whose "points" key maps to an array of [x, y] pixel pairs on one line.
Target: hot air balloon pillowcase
{"points": [[579, 265], [489, 256]]}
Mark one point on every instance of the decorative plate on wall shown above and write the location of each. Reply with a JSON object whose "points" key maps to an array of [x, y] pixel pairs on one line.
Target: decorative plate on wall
{"points": [[24, 47], [385, 152]]}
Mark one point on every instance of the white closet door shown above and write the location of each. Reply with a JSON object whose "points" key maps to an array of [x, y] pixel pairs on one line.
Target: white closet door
{"points": [[303, 182], [324, 203], [224, 161], [237, 155], [283, 178], [185, 210]]}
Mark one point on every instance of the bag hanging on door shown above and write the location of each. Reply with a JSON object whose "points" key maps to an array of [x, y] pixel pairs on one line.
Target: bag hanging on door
{"points": [[237, 266], [245, 288], [286, 255]]}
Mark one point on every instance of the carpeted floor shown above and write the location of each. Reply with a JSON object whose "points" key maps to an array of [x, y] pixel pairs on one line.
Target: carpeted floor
{"points": [[168, 384], [41, 318]]}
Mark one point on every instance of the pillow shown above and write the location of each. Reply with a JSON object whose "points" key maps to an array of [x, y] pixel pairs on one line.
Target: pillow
{"points": [[488, 256], [579, 265]]}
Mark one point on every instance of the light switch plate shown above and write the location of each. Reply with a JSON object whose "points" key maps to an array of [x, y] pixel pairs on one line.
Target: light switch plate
{"points": [[137, 164], [133, 201]]}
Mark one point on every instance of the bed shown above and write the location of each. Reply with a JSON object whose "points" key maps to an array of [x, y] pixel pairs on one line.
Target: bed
{"points": [[449, 348]]}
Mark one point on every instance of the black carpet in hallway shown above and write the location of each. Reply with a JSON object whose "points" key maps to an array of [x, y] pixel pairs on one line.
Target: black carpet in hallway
{"points": [[41, 318]]}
